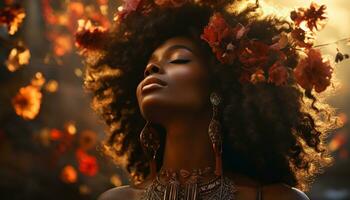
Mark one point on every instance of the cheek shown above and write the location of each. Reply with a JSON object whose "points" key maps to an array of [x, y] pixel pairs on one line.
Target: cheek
{"points": [[189, 84]]}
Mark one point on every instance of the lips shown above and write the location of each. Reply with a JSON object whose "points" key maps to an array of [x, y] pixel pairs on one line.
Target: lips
{"points": [[153, 80]]}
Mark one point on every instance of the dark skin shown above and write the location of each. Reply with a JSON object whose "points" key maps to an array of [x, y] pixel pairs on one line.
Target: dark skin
{"points": [[183, 108]]}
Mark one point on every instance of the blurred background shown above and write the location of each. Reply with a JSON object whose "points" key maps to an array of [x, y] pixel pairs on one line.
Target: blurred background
{"points": [[50, 137]]}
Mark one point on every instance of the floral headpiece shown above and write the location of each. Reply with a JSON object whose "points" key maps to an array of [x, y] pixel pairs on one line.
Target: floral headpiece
{"points": [[259, 61]]}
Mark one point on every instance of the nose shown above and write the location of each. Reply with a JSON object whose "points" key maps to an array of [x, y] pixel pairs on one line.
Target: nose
{"points": [[151, 68]]}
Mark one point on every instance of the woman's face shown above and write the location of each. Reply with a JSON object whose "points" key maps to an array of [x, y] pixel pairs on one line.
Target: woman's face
{"points": [[176, 82]]}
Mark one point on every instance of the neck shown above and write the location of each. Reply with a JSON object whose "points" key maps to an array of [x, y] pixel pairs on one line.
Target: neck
{"points": [[188, 145]]}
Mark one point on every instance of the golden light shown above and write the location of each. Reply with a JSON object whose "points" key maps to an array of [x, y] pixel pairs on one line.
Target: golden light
{"points": [[343, 118], [51, 86], [87, 25], [78, 72], [84, 25], [270, 9], [63, 19], [104, 9], [77, 8], [120, 8], [27, 102], [38, 80], [19, 15], [266, 8], [70, 128], [17, 58], [62, 44], [116, 180], [69, 174], [338, 141]]}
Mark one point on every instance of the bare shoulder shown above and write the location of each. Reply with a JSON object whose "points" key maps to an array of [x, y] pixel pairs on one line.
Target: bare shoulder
{"points": [[121, 193], [283, 192]]}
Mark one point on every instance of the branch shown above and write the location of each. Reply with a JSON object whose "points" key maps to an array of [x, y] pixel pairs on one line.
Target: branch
{"points": [[330, 43]]}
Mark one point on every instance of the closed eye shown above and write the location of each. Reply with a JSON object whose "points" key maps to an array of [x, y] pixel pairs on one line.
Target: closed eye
{"points": [[180, 61]]}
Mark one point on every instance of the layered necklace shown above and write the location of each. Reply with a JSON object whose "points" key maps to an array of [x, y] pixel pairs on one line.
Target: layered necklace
{"points": [[185, 185]]}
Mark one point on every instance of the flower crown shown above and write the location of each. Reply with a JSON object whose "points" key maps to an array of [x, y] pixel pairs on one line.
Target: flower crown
{"points": [[259, 61]]}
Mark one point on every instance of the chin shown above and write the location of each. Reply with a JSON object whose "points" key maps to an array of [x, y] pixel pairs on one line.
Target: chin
{"points": [[153, 109]]}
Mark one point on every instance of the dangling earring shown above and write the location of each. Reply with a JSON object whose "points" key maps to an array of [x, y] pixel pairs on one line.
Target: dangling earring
{"points": [[150, 142], [215, 133]]}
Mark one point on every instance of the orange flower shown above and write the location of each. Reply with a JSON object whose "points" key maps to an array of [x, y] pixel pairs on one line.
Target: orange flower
{"points": [[313, 72], [69, 174], [27, 102], [314, 16], [87, 163]]}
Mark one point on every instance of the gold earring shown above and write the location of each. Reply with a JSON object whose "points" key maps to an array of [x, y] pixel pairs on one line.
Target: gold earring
{"points": [[215, 133], [150, 142]]}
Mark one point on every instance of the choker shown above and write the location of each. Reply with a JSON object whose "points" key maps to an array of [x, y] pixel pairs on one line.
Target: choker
{"points": [[185, 185]]}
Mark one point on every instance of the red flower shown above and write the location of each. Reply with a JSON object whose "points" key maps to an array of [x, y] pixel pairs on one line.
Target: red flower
{"points": [[128, 7], [313, 16], [303, 38], [222, 38], [278, 74], [313, 72], [217, 30], [87, 163], [254, 54], [131, 5]]}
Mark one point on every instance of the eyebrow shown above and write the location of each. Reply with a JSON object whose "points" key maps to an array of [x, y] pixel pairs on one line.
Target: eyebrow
{"points": [[174, 47]]}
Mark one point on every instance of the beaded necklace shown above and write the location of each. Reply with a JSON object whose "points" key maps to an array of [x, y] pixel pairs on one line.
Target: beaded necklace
{"points": [[185, 185]]}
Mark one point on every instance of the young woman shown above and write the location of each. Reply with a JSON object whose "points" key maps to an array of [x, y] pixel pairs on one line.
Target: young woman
{"points": [[206, 100]]}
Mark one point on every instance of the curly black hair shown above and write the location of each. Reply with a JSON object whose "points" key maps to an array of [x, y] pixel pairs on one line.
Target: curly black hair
{"points": [[273, 134]]}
